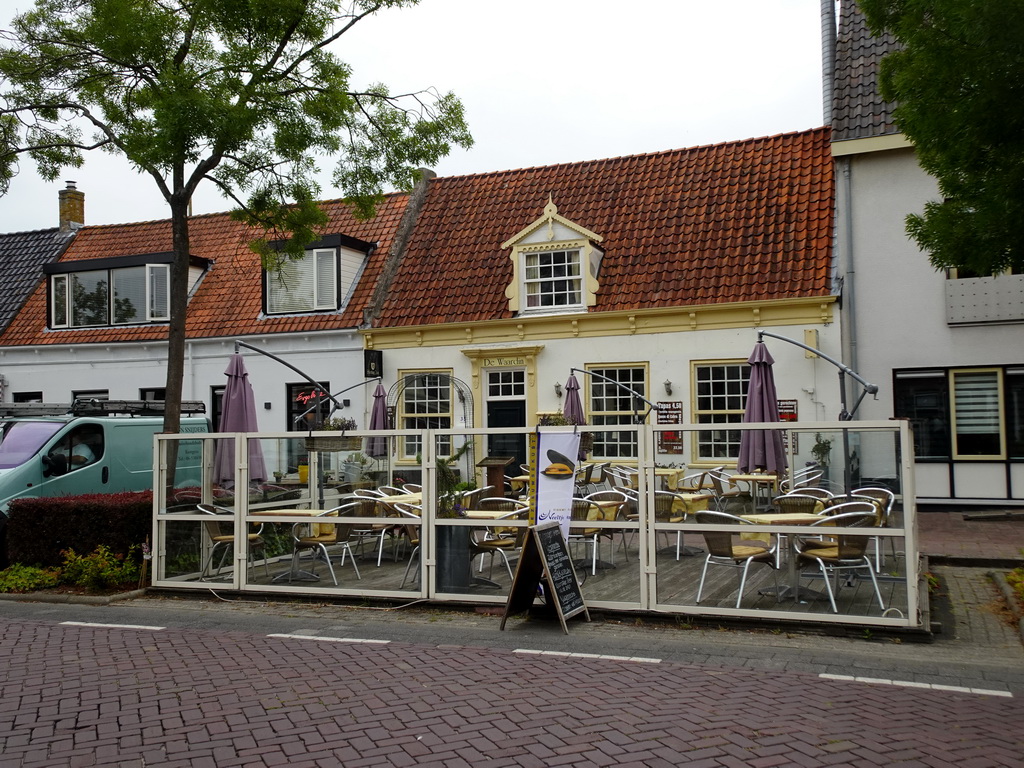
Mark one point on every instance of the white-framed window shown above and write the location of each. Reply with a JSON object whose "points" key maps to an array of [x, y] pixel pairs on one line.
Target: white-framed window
{"points": [[115, 296], [426, 403], [977, 408], [612, 403], [506, 384], [308, 284], [718, 400], [553, 279]]}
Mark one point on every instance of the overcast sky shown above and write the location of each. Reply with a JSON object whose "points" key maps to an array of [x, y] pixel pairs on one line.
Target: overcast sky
{"points": [[543, 82]]}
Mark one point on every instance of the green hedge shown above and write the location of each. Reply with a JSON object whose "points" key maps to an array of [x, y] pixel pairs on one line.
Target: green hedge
{"points": [[39, 529]]}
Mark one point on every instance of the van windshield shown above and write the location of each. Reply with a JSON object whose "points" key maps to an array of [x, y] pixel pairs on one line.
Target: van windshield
{"points": [[20, 441]]}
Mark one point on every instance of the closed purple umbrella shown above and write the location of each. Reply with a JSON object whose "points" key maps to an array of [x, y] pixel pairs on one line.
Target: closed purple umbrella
{"points": [[573, 409], [378, 446], [761, 449], [237, 414]]}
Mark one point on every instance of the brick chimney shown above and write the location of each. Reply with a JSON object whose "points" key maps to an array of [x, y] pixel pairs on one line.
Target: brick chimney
{"points": [[72, 208]]}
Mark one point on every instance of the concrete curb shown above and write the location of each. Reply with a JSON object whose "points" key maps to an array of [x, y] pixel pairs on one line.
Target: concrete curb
{"points": [[59, 597], [1011, 600]]}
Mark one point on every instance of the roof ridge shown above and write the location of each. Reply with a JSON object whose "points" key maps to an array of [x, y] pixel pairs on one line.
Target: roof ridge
{"points": [[698, 147]]}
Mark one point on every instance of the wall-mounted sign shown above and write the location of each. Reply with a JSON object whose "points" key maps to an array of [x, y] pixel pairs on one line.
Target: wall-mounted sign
{"points": [[373, 363], [670, 412]]}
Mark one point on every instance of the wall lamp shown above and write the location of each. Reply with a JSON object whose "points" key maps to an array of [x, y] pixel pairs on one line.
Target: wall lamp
{"points": [[558, 389], [668, 387]]}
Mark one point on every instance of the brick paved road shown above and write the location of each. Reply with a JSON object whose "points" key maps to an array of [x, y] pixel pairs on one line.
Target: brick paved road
{"points": [[78, 695]]}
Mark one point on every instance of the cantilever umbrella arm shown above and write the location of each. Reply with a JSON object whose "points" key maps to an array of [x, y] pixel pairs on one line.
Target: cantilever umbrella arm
{"points": [[636, 412], [869, 388], [332, 398]]}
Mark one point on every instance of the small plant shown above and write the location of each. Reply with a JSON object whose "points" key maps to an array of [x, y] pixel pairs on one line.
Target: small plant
{"points": [[1015, 579], [821, 450], [933, 582], [337, 424], [27, 578], [100, 570], [279, 476]]}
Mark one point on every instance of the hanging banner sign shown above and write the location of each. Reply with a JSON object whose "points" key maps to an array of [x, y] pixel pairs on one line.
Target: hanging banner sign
{"points": [[553, 458]]}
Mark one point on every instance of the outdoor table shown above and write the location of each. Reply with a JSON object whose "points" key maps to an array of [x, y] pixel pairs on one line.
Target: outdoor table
{"points": [[669, 477], [688, 503], [519, 482], [760, 485], [784, 518]]}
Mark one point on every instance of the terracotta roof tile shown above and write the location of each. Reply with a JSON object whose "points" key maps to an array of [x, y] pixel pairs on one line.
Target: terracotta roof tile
{"points": [[743, 221], [228, 301]]}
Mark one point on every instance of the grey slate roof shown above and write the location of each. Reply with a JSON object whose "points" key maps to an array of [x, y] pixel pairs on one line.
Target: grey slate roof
{"points": [[22, 255], [859, 111]]}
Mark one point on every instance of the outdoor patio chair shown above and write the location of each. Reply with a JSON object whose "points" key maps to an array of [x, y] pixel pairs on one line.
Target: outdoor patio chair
{"points": [[731, 549], [221, 533], [412, 487], [317, 537], [411, 533], [500, 540], [885, 500], [390, 490], [620, 513], [843, 553], [670, 507], [726, 496], [583, 510], [368, 493]]}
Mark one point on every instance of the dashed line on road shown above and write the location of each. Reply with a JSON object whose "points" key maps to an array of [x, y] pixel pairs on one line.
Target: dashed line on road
{"points": [[912, 684], [605, 656], [331, 639], [110, 626]]}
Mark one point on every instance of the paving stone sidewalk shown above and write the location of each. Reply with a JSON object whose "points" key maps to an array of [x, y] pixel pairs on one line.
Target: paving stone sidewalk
{"points": [[173, 698]]}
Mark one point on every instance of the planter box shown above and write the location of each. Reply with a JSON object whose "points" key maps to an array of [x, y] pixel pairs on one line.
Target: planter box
{"points": [[331, 444]]}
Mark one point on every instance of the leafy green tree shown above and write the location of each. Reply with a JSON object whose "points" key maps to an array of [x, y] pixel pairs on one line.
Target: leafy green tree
{"points": [[958, 79], [244, 94]]}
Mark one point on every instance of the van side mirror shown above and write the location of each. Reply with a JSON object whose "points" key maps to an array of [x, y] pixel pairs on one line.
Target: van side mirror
{"points": [[54, 464]]}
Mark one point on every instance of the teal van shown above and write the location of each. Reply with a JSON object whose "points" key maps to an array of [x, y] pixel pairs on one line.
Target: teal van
{"points": [[93, 447]]}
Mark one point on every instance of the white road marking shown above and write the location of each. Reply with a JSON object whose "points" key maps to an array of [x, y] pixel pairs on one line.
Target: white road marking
{"points": [[110, 626], [609, 657], [331, 639], [912, 684]]}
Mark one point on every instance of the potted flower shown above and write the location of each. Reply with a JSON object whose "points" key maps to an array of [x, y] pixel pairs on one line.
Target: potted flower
{"points": [[821, 450], [333, 443], [558, 419]]}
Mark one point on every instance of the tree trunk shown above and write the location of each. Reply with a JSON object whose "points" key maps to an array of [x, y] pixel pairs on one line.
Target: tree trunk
{"points": [[176, 330]]}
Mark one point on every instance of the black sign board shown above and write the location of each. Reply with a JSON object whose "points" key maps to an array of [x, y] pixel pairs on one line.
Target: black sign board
{"points": [[373, 363], [545, 562]]}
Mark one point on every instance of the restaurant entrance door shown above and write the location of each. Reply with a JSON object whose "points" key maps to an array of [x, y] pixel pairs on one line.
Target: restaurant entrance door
{"points": [[506, 407]]}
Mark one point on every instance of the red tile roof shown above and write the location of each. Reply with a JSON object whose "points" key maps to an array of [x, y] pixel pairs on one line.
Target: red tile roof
{"points": [[228, 302], [743, 221]]}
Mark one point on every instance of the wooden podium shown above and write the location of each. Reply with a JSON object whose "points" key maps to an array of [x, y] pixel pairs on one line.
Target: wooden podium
{"points": [[494, 473]]}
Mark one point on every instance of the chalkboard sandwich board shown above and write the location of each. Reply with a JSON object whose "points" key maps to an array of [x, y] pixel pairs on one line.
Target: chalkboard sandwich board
{"points": [[545, 562]]}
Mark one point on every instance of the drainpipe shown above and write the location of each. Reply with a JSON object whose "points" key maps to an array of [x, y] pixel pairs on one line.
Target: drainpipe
{"points": [[848, 269]]}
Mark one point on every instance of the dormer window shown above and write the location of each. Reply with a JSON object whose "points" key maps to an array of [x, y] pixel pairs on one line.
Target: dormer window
{"points": [[107, 292], [553, 279], [320, 281], [309, 284], [555, 266]]}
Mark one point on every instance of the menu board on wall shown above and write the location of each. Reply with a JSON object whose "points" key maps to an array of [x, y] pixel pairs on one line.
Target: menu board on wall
{"points": [[788, 412], [670, 412]]}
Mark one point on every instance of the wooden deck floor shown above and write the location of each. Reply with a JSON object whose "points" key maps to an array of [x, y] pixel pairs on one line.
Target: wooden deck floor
{"points": [[676, 581]]}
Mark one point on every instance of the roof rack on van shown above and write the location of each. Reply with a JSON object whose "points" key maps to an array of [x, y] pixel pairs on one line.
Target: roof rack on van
{"points": [[34, 409], [94, 407]]}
